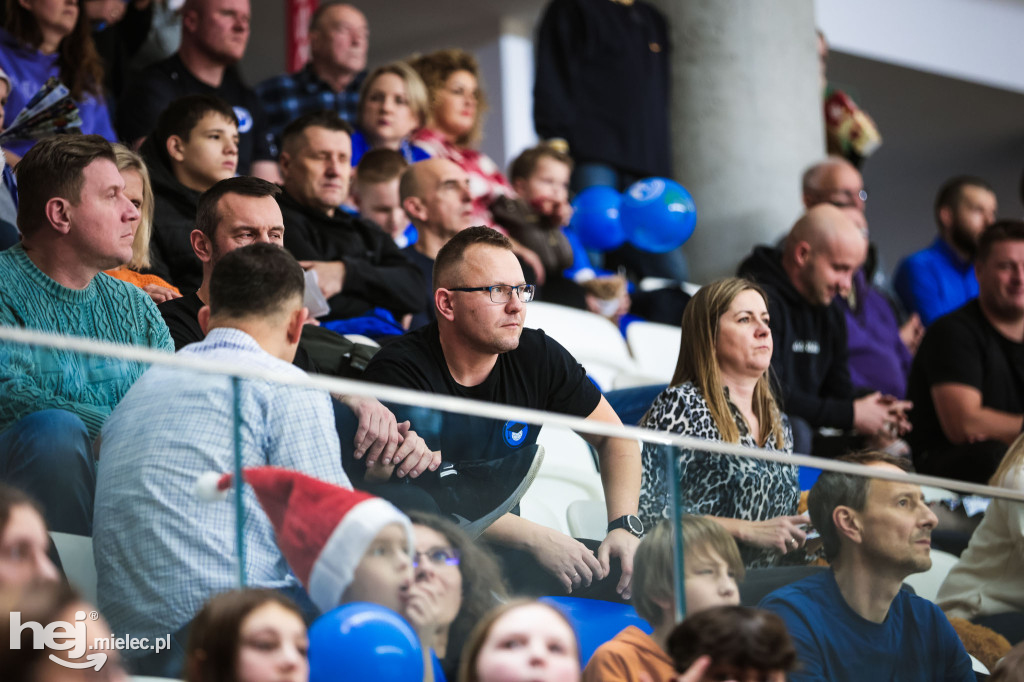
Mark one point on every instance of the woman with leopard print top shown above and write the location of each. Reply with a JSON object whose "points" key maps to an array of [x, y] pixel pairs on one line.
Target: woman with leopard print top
{"points": [[721, 391]]}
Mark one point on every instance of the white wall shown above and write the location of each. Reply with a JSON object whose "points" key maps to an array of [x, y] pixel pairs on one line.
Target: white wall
{"points": [[974, 40]]}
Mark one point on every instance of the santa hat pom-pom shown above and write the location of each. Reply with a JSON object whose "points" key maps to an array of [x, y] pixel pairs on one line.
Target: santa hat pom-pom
{"points": [[213, 486]]}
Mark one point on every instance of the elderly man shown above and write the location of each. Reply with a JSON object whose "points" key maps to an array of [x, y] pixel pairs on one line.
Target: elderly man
{"points": [[817, 263], [435, 196], [214, 35], [939, 279], [338, 40], [967, 381], [855, 622], [479, 349], [75, 223], [358, 266]]}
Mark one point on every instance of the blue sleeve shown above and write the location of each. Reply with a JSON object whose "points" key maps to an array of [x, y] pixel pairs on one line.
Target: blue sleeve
{"points": [[958, 664], [917, 290], [810, 666]]}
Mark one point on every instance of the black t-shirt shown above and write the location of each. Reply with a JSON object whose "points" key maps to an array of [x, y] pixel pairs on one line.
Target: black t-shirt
{"points": [[165, 81], [539, 374], [963, 348]]}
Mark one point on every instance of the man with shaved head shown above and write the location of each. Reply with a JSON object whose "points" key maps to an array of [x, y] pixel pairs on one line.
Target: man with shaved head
{"points": [[435, 196], [880, 348], [816, 263]]}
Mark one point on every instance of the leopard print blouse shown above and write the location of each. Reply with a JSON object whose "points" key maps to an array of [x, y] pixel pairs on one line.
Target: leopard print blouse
{"points": [[713, 484]]}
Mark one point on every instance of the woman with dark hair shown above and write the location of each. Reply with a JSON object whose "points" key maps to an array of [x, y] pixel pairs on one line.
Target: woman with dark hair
{"points": [[44, 38], [463, 575], [250, 635], [24, 542], [721, 392]]}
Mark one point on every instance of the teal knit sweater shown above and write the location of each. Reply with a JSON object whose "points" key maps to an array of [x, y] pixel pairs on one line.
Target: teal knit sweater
{"points": [[33, 379]]}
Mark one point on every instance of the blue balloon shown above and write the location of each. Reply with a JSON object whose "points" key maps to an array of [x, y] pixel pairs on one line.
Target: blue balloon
{"points": [[360, 641], [658, 214], [595, 218]]}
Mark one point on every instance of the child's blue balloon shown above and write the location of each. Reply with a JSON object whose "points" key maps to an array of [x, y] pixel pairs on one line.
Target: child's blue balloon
{"points": [[362, 641], [595, 218], [658, 214]]}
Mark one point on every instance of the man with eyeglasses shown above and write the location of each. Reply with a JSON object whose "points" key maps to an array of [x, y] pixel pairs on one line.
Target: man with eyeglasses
{"points": [[479, 349]]}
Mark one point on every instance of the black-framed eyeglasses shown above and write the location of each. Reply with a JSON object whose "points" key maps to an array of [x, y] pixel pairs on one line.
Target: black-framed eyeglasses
{"points": [[501, 293], [437, 557]]}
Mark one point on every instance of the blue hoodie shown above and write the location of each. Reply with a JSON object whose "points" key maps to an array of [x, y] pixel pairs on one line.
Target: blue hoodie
{"points": [[28, 70]]}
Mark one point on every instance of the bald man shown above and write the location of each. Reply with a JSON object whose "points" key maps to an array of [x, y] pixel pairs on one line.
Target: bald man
{"points": [[880, 347], [815, 264], [435, 195]]}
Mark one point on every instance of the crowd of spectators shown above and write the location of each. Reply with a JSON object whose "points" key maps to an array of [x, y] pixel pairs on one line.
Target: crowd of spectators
{"points": [[261, 225]]}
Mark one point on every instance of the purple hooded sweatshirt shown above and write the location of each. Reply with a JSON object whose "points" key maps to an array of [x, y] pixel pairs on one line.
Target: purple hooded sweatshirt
{"points": [[28, 70], [879, 360]]}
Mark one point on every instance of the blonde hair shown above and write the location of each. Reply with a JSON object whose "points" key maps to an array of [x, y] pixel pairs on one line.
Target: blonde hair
{"points": [[435, 69], [654, 577], [127, 160], [471, 651], [698, 361], [415, 90], [1012, 460]]}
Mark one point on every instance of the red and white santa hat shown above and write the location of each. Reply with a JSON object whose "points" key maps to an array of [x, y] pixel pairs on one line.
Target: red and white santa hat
{"points": [[322, 529]]}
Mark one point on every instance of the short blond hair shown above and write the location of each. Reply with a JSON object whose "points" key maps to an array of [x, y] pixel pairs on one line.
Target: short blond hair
{"points": [[654, 577]]}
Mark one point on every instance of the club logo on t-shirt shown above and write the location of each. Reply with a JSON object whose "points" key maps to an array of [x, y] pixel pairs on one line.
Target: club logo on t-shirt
{"points": [[514, 433], [244, 119]]}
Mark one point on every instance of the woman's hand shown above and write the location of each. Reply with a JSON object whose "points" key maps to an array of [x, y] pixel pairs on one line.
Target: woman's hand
{"points": [[782, 533], [423, 611]]}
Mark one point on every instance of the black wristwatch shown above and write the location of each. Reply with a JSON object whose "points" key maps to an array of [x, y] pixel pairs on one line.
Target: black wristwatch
{"points": [[630, 522]]}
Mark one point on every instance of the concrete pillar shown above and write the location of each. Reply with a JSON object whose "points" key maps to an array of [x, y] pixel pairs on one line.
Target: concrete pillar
{"points": [[746, 120]]}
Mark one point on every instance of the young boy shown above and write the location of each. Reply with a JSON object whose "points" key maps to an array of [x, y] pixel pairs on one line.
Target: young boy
{"points": [[194, 146], [346, 546], [375, 194], [540, 176], [712, 566]]}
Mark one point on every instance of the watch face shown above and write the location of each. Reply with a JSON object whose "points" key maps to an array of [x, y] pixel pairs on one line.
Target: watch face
{"points": [[636, 526]]}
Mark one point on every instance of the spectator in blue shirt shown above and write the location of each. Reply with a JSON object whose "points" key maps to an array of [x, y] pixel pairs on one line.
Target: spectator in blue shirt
{"points": [[855, 622], [939, 279], [338, 39]]}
